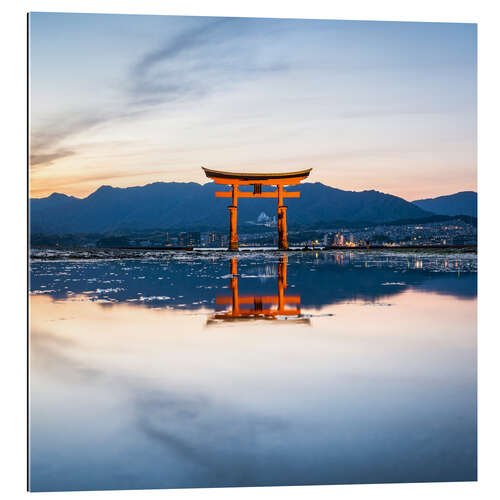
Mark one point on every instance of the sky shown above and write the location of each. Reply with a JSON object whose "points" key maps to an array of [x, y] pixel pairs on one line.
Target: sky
{"points": [[126, 100]]}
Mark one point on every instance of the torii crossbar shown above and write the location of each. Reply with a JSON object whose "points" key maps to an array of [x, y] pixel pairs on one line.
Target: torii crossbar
{"points": [[280, 180]]}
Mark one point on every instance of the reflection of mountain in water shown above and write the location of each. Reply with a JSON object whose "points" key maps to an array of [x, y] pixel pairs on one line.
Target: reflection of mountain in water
{"points": [[332, 283], [193, 283]]}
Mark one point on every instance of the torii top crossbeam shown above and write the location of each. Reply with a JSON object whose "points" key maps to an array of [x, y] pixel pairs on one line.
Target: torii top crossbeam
{"points": [[286, 178], [257, 180]]}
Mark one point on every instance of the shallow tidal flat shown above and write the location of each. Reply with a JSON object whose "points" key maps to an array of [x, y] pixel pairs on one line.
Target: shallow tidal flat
{"points": [[196, 369]]}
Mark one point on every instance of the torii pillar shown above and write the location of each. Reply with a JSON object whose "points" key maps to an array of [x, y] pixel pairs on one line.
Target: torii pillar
{"points": [[233, 220], [280, 180], [282, 236]]}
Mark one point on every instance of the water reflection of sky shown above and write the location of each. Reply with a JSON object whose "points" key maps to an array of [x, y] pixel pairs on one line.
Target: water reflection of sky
{"points": [[130, 389]]}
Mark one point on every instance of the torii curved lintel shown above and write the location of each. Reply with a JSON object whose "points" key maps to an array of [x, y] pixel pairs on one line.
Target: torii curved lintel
{"points": [[250, 178]]}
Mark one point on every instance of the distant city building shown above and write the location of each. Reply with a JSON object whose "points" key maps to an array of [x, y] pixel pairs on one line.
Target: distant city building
{"points": [[212, 239], [188, 239]]}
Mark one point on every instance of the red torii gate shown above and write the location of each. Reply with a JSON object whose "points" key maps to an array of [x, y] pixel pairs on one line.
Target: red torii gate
{"points": [[257, 180]]}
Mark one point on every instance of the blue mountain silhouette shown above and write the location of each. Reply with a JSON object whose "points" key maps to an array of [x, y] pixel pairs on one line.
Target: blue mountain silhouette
{"points": [[190, 206], [462, 203]]}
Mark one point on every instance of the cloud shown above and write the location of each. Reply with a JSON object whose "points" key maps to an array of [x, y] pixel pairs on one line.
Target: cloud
{"points": [[45, 141], [201, 59], [391, 111], [49, 158], [186, 40], [53, 132]]}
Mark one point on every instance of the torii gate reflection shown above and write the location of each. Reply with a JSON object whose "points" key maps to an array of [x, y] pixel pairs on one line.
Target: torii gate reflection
{"points": [[245, 307]]}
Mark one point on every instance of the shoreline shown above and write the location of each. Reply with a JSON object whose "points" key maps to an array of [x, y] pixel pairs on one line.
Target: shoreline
{"points": [[50, 253]]}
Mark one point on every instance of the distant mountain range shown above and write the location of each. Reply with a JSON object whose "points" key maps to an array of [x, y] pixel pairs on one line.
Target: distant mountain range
{"points": [[191, 206], [463, 203]]}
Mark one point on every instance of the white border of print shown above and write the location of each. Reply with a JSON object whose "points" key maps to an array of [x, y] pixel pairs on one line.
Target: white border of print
{"points": [[13, 247]]}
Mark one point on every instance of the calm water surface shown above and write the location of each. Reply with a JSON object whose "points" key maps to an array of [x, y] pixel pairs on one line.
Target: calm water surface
{"points": [[202, 370]]}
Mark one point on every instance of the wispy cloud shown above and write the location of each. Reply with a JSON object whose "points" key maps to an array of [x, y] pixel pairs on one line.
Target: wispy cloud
{"points": [[198, 60], [49, 158], [188, 66], [46, 138]]}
